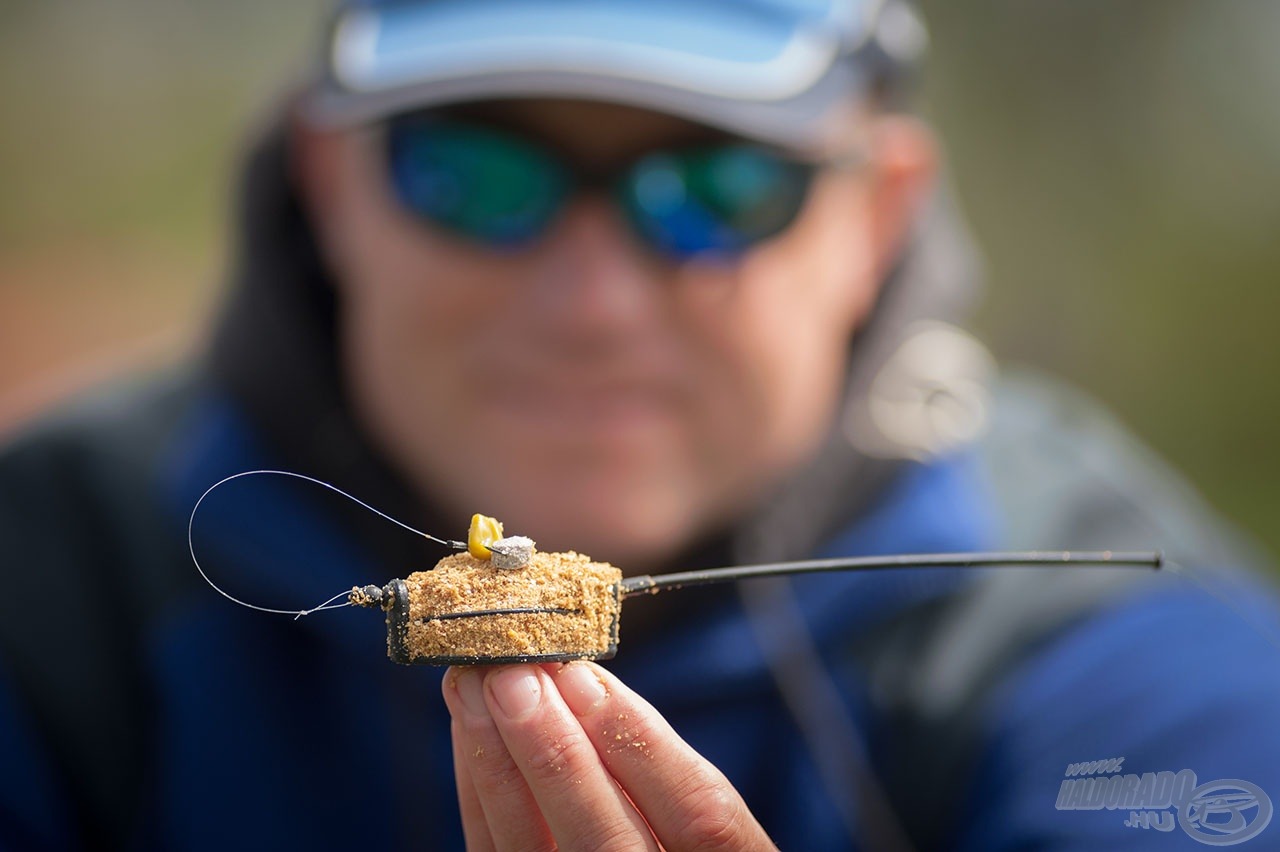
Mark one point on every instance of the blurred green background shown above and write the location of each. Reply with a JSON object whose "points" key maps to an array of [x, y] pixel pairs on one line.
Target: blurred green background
{"points": [[1120, 163]]}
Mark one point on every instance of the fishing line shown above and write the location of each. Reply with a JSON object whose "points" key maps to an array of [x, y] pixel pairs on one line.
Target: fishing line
{"points": [[327, 605]]}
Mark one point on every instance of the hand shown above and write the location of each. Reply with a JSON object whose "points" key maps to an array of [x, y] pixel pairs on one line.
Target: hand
{"points": [[566, 756]]}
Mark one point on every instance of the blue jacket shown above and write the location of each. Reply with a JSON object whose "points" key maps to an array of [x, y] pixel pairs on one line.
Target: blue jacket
{"points": [[155, 714]]}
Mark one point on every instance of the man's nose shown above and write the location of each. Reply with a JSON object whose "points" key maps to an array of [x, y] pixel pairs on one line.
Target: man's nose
{"points": [[594, 278]]}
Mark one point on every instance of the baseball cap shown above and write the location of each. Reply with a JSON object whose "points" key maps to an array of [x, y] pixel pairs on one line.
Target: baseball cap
{"points": [[774, 70]]}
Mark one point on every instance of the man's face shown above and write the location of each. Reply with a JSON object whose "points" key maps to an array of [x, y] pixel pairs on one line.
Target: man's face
{"points": [[590, 393]]}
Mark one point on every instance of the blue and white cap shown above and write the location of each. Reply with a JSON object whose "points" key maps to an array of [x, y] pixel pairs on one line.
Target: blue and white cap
{"points": [[776, 70]]}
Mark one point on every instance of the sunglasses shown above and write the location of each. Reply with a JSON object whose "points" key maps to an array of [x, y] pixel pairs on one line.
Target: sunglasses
{"points": [[501, 189]]}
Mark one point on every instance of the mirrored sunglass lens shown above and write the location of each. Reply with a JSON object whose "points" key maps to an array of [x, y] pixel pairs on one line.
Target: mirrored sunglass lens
{"points": [[475, 181], [720, 200]]}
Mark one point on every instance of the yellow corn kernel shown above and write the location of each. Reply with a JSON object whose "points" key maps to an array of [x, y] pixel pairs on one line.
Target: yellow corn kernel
{"points": [[484, 532]]}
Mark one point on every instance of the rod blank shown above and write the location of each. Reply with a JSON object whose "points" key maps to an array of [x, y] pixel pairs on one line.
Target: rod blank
{"points": [[651, 585]]}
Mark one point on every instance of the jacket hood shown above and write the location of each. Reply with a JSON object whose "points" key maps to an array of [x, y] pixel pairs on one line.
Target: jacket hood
{"points": [[276, 353]]}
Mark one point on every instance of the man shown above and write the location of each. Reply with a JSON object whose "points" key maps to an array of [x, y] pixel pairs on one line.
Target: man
{"points": [[672, 287]]}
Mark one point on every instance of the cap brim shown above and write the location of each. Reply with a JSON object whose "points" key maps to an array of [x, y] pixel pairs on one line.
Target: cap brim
{"points": [[730, 64]]}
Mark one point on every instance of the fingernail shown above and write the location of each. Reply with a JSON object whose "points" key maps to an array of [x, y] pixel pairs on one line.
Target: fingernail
{"points": [[581, 688], [517, 691], [470, 686]]}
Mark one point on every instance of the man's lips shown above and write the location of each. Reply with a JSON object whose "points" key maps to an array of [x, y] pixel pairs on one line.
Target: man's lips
{"points": [[583, 408]]}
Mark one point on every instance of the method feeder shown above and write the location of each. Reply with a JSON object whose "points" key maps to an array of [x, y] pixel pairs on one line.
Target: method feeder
{"points": [[582, 622], [503, 602]]}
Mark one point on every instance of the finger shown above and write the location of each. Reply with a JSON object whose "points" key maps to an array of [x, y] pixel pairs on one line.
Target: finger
{"points": [[512, 820], [688, 803], [580, 801], [475, 827]]}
